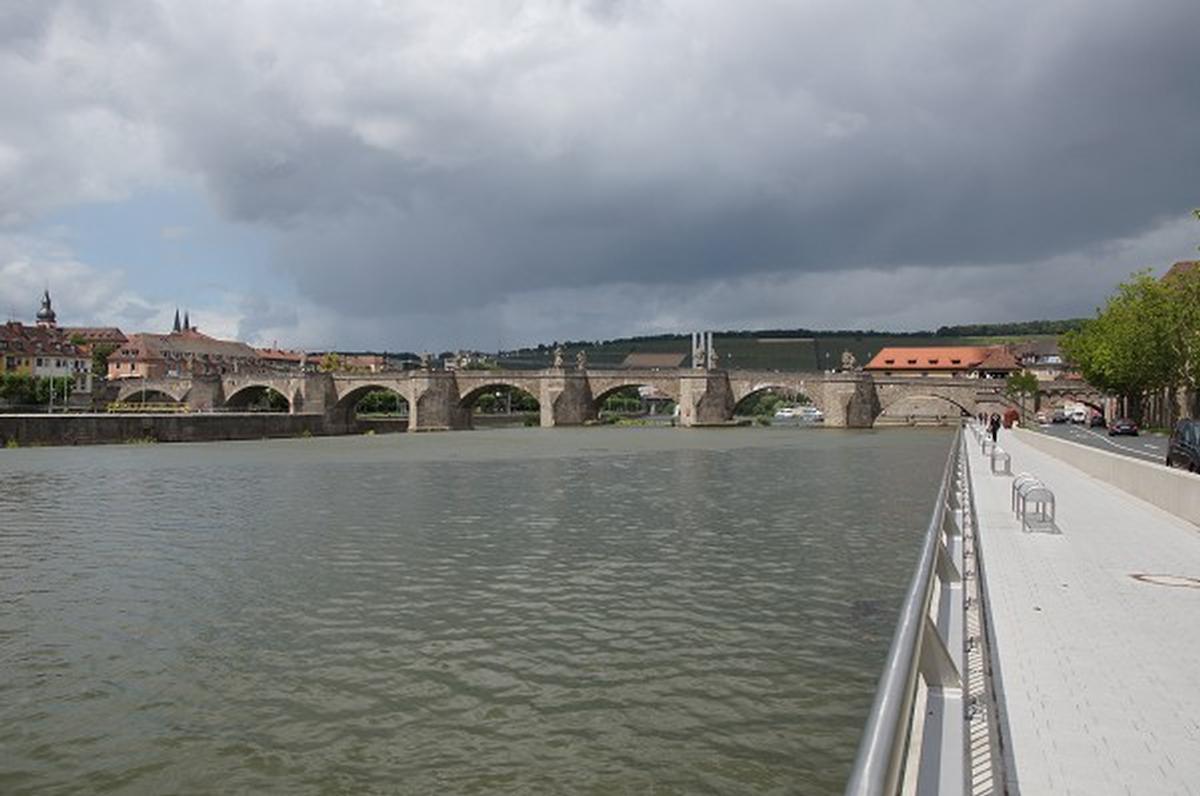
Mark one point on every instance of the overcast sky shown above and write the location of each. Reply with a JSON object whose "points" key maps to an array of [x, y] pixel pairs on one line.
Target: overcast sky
{"points": [[434, 175]]}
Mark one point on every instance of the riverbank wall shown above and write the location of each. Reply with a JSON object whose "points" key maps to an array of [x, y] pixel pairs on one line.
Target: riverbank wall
{"points": [[101, 429], [1174, 491]]}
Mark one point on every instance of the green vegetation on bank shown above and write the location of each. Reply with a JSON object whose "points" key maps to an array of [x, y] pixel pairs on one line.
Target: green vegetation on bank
{"points": [[20, 390]]}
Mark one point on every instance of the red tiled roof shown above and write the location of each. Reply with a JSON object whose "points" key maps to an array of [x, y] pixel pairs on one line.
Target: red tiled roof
{"points": [[941, 358], [96, 334], [18, 338], [1180, 268], [189, 342], [279, 355]]}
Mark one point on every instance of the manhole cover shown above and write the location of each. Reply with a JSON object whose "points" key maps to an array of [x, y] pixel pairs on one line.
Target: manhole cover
{"points": [[1180, 581]]}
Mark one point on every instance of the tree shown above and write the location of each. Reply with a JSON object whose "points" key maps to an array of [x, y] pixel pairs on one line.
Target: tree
{"points": [[1135, 344], [100, 355], [1022, 385]]}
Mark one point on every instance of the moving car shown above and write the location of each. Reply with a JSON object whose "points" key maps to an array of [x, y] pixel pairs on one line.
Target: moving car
{"points": [[1079, 415], [1097, 421], [1184, 449], [1059, 416], [1123, 427]]}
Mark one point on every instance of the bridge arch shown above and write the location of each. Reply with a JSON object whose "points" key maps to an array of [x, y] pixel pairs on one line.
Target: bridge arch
{"points": [[469, 399], [967, 409], [173, 392], [348, 401], [1059, 399], [150, 395], [261, 397], [610, 387], [779, 388]]}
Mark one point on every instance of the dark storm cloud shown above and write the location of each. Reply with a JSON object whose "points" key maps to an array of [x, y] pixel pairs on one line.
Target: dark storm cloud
{"points": [[419, 158]]}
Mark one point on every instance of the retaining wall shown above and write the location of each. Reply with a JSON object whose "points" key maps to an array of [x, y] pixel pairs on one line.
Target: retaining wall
{"points": [[1172, 490], [26, 430]]}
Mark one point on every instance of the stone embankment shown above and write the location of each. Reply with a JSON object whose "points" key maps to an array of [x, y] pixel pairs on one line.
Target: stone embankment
{"points": [[99, 429]]}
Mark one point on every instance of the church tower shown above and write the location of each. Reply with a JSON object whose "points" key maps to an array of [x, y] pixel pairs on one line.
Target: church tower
{"points": [[46, 316]]}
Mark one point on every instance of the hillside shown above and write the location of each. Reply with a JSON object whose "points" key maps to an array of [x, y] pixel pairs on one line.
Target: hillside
{"points": [[781, 349]]}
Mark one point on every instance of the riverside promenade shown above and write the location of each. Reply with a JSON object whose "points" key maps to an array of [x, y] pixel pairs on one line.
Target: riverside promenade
{"points": [[1096, 633]]}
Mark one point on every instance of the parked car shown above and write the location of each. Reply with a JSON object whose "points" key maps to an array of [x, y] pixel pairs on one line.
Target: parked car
{"points": [[1097, 421], [1043, 418], [1184, 449], [1123, 427], [1059, 416], [1079, 416]]}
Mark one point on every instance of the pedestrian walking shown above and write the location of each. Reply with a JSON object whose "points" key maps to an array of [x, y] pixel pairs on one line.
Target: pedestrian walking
{"points": [[994, 426]]}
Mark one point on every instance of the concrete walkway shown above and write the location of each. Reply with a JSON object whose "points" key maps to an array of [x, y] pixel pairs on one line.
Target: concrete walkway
{"points": [[1100, 672]]}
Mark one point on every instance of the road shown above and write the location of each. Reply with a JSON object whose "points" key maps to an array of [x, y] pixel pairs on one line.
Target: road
{"points": [[1150, 447]]}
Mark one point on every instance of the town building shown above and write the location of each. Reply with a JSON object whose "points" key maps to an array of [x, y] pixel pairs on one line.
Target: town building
{"points": [[969, 362], [277, 358], [1044, 360], [184, 353], [44, 350], [95, 335]]}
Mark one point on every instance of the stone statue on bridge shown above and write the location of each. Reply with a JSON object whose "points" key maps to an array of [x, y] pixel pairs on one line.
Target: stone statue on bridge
{"points": [[426, 361], [558, 358], [848, 361], [581, 360]]}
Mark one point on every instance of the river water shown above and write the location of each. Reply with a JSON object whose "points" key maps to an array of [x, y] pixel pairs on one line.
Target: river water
{"points": [[514, 611]]}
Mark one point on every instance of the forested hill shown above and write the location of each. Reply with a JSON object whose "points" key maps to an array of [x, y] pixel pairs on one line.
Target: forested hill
{"points": [[1011, 329], [789, 349]]}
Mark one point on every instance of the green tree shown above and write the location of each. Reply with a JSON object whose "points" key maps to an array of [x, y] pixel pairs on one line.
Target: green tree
{"points": [[1022, 385], [1133, 344], [100, 354]]}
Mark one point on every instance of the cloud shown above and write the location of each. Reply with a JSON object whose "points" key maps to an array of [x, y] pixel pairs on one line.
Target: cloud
{"points": [[432, 165], [83, 294]]}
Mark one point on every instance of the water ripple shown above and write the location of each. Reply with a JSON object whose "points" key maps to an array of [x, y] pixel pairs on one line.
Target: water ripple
{"points": [[589, 611]]}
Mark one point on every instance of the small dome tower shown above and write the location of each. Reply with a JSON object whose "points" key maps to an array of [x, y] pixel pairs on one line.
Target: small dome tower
{"points": [[46, 316]]}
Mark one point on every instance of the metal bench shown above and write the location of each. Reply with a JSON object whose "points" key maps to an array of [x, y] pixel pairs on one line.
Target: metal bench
{"points": [[1023, 493], [1041, 515], [1018, 482]]}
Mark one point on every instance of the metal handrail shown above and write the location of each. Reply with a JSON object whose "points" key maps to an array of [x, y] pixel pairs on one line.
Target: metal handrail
{"points": [[879, 763]]}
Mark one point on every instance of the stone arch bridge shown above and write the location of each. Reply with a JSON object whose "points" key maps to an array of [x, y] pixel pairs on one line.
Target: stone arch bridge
{"points": [[444, 399]]}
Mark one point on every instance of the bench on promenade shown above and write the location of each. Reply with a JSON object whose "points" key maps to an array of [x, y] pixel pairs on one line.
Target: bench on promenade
{"points": [[1034, 504]]}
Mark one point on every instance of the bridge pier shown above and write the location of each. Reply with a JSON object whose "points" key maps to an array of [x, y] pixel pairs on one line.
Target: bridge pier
{"points": [[434, 404], [851, 401], [566, 399], [705, 398], [205, 394]]}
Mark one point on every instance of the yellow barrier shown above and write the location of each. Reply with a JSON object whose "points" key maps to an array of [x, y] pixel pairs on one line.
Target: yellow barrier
{"points": [[148, 408]]}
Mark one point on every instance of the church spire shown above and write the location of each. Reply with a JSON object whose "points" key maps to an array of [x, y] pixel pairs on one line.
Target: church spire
{"points": [[186, 323], [46, 316], [177, 329]]}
